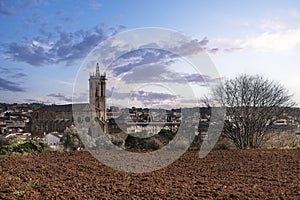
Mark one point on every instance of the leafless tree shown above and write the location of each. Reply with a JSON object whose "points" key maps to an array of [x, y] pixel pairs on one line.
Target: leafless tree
{"points": [[252, 102], [71, 140]]}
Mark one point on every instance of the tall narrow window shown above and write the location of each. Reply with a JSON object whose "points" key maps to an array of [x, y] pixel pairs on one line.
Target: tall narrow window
{"points": [[102, 89]]}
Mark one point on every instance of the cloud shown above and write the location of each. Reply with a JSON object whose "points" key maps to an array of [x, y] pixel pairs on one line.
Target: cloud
{"points": [[280, 41], [6, 9], [279, 37], [195, 46], [13, 73], [214, 50], [61, 97], [141, 57], [67, 83], [38, 100], [225, 45], [19, 75], [95, 5], [68, 20], [147, 96], [140, 96], [233, 49], [153, 99], [155, 73], [31, 54], [151, 54], [295, 13], [191, 46], [197, 78], [274, 25], [28, 3], [59, 12], [151, 73], [10, 86], [68, 47]]}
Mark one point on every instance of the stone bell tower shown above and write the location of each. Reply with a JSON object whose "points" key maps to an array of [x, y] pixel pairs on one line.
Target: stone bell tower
{"points": [[97, 90]]}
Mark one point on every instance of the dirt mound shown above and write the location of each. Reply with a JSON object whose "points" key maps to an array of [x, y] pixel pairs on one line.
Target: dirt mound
{"points": [[229, 174]]}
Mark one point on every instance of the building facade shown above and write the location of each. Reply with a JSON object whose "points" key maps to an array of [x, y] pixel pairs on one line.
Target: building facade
{"points": [[97, 94], [58, 117]]}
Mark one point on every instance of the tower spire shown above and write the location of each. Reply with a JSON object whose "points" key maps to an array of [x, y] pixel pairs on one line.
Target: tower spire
{"points": [[97, 70]]}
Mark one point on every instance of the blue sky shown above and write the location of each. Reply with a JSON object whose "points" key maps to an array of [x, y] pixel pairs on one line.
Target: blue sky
{"points": [[44, 43]]}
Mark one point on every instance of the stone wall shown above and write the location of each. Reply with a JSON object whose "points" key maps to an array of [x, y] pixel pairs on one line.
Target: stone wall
{"points": [[51, 118]]}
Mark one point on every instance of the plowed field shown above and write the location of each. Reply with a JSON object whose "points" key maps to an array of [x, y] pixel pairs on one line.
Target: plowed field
{"points": [[227, 174]]}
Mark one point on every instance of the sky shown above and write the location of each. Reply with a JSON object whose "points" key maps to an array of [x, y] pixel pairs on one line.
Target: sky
{"points": [[45, 46]]}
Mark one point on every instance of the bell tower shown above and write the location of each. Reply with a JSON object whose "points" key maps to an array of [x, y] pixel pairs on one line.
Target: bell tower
{"points": [[97, 90]]}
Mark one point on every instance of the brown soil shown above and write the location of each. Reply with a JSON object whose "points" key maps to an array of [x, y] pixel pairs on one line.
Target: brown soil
{"points": [[227, 174]]}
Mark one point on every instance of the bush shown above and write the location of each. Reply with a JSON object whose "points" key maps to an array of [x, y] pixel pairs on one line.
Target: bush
{"points": [[9, 141], [134, 143], [117, 141], [31, 146], [281, 139], [167, 134], [223, 144]]}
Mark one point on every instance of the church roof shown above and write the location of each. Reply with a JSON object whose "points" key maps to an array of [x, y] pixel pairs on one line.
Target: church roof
{"points": [[63, 108]]}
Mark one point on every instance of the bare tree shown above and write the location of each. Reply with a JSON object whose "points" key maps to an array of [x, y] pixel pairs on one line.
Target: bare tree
{"points": [[252, 102], [71, 140]]}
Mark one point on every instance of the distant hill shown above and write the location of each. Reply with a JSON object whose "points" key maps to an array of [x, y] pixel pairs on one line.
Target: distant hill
{"points": [[14, 106]]}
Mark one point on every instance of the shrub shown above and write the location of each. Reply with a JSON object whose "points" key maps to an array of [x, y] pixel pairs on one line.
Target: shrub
{"points": [[31, 146], [223, 144], [117, 141], [167, 134], [281, 139], [134, 143]]}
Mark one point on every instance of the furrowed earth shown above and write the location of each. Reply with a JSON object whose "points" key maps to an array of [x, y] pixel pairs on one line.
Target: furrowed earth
{"points": [[222, 174]]}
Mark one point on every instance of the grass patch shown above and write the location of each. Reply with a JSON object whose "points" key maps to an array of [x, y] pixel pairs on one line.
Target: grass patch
{"points": [[30, 184], [291, 147], [19, 193]]}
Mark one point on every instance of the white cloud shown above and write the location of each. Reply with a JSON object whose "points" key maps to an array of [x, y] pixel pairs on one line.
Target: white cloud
{"points": [[226, 43], [45, 47], [67, 83], [118, 43], [95, 5], [294, 13], [274, 25], [284, 41]]}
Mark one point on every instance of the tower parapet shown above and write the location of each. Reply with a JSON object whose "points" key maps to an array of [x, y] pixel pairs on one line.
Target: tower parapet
{"points": [[97, 74]]}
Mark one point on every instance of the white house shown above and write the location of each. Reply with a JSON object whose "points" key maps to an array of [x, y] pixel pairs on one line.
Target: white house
{"points": [[53, 139]]}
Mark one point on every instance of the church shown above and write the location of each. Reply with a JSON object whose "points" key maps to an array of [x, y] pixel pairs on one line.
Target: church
{"points": [[57, 117]]}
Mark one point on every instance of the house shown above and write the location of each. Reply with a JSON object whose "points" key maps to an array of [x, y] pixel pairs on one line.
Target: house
{"points": [[285, 120], [53, 139], [19, 136]]}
